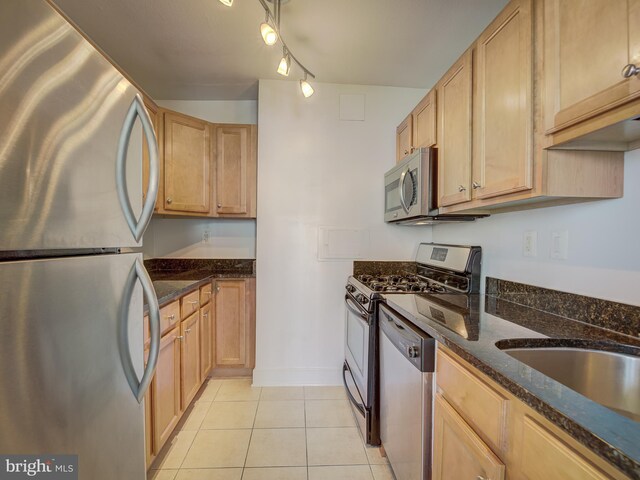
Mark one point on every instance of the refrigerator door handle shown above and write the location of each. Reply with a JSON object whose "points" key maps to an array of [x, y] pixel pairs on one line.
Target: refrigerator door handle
{"points": [[137, 226], [139, 388]]}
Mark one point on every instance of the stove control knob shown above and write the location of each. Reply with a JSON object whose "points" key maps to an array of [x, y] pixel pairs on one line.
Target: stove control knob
{"points": [[413, 351], [351, 288], [362, 299]]}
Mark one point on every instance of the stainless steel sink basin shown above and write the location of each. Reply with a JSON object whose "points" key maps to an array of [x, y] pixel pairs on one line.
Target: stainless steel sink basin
{"points": [[608, 378]]}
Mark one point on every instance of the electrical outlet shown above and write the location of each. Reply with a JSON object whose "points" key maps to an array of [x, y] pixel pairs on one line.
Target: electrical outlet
{"points": [[560, 245], [206, 236], [530, 243]]}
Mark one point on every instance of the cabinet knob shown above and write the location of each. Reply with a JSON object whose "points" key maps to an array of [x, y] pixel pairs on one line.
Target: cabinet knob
{"points": [[630, 70], [461, 188], [406, 152], [217, 289], [169, 200], [476, 185], [480, 477], [219, 205]]}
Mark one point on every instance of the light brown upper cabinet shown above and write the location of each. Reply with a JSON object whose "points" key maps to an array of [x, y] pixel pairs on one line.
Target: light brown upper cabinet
{"points": [[235, 170], [496, 104], [424, 121], [454, 132], [587, 45], [503, 104], [234, 331], [419, 128], [187, 163], [404, 132]]}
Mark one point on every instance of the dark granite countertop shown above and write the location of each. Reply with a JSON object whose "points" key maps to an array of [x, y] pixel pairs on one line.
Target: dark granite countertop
{"points": [[172, 277], [490, 320]]}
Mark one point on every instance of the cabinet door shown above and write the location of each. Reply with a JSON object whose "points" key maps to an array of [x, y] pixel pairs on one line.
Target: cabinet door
{"points": [[561, 462], [187, 158], [404, 139], [457, 451], [584, 57], [165, 395], [233, 173], [503, 127], [190, 350], [424, 121], [206, 339], [454, 133], [230, 323]]}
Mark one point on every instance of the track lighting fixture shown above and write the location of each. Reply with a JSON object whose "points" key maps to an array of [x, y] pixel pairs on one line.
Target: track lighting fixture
{"points": [[270, 31], [285, 64], [305, 86], [269, 34]]}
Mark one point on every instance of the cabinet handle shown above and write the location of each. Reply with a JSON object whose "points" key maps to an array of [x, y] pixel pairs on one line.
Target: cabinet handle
{"points": [[480, 477], [193, 302], [406, 152], [217, 289], [180, 337], [205, 315], [171, 317], [461, 188], [476, 185], [219, 205], [187, 330], [630, 70], [169, 200]]}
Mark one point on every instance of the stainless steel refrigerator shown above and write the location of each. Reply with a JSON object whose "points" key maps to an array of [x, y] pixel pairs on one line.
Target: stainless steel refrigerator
{"points": [[72, 281]]}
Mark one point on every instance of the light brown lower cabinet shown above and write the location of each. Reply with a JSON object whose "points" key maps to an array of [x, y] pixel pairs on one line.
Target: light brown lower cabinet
{"points": [[483, 431], [165, 388], [190, 359], [234, 323], [458, 452]]}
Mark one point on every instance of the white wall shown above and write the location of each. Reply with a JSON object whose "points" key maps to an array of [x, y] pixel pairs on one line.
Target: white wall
{"points": [[182, 237], [315, 170], [604, 244]]}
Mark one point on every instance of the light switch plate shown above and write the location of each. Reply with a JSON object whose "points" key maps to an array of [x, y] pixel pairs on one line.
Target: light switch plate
{"points": [[530, 243], [560, 245]]}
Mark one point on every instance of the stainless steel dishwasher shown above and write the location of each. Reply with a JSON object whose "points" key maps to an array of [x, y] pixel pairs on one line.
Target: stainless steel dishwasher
{"points": [[407, 359]]}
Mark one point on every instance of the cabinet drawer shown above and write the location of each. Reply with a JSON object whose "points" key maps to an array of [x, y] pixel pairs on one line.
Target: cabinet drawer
{"points": [[561, 462], [169, 316], [205, 294], [482, 406], [190, 303]]}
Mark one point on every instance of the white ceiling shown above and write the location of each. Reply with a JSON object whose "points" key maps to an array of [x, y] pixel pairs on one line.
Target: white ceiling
{"points": [[200, 49]]}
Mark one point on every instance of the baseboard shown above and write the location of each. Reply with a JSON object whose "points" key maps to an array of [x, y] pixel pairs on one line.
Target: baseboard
{"points": [[280, 377]]}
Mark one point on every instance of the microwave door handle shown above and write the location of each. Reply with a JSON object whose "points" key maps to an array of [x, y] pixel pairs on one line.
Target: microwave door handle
{"points": [[403, 178]]}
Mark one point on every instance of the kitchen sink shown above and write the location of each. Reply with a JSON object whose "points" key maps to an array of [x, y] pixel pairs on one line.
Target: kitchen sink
{"points": [[609, 378]]}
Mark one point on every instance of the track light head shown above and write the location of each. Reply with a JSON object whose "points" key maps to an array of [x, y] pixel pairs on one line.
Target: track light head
{"points": [[268, 33], [285, 64], [307, 89]]}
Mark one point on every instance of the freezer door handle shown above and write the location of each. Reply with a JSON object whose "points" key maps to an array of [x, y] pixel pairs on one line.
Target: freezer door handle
{"points": [[137, 226], [139, 387]]}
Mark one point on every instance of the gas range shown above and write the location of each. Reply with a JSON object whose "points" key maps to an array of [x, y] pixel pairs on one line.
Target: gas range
{"points": [[444, 276]]}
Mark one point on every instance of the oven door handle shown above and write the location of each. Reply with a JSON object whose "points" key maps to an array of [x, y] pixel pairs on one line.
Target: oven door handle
{"points": [[355, 309], [355, 403]]}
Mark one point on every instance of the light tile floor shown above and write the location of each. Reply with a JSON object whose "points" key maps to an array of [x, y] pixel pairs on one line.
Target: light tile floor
{"points": [[234, 431]]}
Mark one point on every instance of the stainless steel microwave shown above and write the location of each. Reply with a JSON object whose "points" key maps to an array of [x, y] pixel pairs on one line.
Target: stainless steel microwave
{"points": [[411, 194]]}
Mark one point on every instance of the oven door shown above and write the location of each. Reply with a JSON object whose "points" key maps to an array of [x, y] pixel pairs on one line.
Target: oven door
{"points": [[357, 346]]}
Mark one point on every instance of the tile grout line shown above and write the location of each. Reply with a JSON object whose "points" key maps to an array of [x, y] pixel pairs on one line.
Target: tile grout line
{"points": [[253, 426]]}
